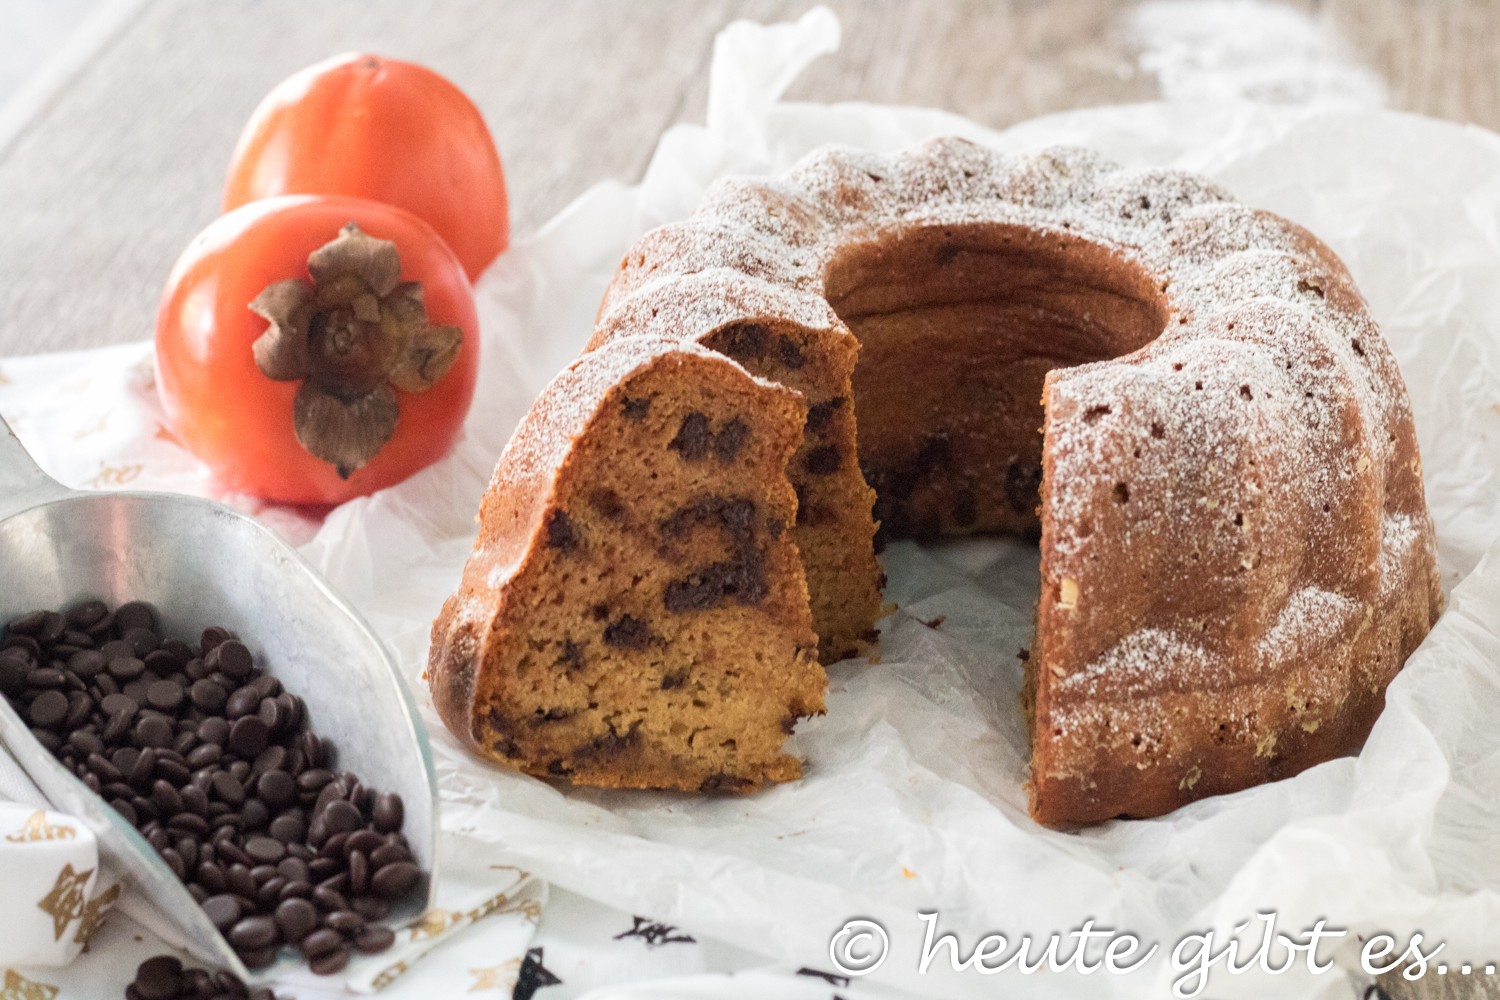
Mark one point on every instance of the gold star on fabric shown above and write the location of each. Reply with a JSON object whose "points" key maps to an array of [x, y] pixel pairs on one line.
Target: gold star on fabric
{"points": [[18, 987], [66, 900], [94, 912], [432, 923], [501, 977], [37, 828]]}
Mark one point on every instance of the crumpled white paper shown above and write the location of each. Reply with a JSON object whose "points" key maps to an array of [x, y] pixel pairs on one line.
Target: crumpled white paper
{"points": [[913, 797]]}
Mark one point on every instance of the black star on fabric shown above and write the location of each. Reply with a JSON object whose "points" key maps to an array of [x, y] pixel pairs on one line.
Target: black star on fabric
{"points": [[655, 934], [533, 976]]}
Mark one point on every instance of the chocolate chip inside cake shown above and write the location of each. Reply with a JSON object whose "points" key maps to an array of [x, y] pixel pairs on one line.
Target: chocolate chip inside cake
{"points": [[635, 613]]}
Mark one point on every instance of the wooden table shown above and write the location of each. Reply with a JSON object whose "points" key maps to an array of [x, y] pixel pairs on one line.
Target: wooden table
{"points": [[117, 172], [103, 188]]}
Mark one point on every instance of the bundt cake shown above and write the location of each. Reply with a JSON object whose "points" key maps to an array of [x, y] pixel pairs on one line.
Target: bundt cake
{"points": [[634, 613], [1184, 399]]}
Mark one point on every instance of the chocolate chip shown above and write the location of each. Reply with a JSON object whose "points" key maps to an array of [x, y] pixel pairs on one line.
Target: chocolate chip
{"points": [[256, 814], [329, 899], [628, 633], [731, 438], [389, 812], [49, 709], [249, 736], [233, 658], [745, 342], [27, 624], [272, 758], [87, 663], [165, 696], [189, 822], [694, 437], [344, 921], [394, 880], [142, 640], [46, 677], [207, 696], [274, 714], [560, 534], [253, 932], [195, 800], [372, 908], [135, 614], [228, 788], [204, 756], [823, 460], [86, 613], [276, 789], [789, 353], [363, 840], [359, 872], [213, 636], [166, 798], [821, 415], [214, 730], [159, 978], [267, 850], [330, 962], [312, 749], [296, 919], [258, 958], [119, 722], [320, 942], [13, 672], [341, 817], [295, 869], [222, 910], [80, 707], [387, 853], [374, 939], [154, 731], [1023, 482], [126, 668], [240, 881], [242, 703], [636, 409]]}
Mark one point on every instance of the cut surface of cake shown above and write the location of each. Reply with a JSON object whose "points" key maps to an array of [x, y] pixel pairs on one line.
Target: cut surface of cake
{"points": [[1183, 398], [799, 343], [634, 613]]}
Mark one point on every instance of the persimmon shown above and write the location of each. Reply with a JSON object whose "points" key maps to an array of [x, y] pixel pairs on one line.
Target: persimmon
{"points": [[311, 349], [367, 127]]}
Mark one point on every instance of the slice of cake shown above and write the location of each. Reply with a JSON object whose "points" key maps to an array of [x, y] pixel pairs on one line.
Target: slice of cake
{"points": [[796, 341], [634, 613]]}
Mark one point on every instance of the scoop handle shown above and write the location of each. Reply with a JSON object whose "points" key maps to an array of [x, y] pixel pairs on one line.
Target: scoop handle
{"points": [[22, 482]]}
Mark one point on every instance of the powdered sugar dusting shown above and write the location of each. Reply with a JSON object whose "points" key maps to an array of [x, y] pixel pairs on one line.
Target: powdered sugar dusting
{"points": [[1267, 420]]}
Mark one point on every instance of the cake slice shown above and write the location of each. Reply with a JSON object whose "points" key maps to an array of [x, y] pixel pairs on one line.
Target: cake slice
{"points": [[797, 341], [634, 613]]}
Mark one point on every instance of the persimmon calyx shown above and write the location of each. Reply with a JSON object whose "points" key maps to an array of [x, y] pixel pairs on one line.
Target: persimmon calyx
{"points": [[350, 336]]}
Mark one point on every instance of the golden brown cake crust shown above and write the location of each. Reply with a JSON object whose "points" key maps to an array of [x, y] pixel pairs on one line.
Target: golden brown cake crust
{"points": [[1236, 551]]}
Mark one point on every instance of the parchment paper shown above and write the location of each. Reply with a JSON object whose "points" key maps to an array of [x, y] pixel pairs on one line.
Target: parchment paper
{"points": [[913, 797]]}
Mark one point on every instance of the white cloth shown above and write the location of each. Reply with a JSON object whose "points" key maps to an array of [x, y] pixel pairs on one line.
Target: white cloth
{"points": [[913, 797]]}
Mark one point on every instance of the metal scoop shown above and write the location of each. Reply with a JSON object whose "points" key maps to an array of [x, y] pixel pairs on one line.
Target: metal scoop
{"points": [[201, 563]]}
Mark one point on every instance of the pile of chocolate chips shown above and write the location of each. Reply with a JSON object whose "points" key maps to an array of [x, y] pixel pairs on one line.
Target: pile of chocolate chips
{"points": [[213, 763], [164, 978]]}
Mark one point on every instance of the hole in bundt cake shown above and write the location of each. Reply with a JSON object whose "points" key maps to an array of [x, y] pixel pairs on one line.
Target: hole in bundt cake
{"points": [[958, 326]]}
